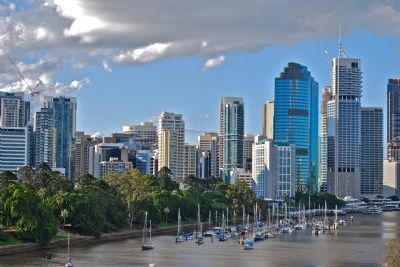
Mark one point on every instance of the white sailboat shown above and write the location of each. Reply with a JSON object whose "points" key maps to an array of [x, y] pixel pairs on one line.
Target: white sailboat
{"points": [[199, 236], [179, 237], [69, 261], [147, 244]]}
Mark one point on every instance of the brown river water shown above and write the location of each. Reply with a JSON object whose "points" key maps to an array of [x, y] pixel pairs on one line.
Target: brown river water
{"points": [[359, 244]]}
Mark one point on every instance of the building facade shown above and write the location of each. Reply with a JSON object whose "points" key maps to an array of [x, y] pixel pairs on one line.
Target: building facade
{"points": [[371, 151], [207, 146], [284, 182], [171, 141], [114, 166], [323, 141], [231, 135], [190, 160], [144, 135], [64, 128], [296, 121], [263, 167], [248, 141], [268, 120], [393, 109], [14, 110], [14, 148], [344, 126]]}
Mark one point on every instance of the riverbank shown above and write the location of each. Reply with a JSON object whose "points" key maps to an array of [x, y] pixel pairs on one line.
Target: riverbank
{"points": [[76, 240]]}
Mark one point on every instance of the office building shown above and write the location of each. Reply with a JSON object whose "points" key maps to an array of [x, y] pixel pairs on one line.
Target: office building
{"points": [[268, 120], [207, 146], [64, 128], [344, 126], [14, 148], [14, 110], [371, 151], [393, 109], [284, 181], [171, 140], [114, 166], [144, 161], [144, 135], [296, 121], [248, 141], [190, 160], [82, 144], [231, 135], [44, 137], [323, 141], [263, 167]]}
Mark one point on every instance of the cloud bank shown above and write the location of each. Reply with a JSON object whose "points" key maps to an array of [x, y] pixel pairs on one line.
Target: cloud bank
{"points": [[44, 36]]}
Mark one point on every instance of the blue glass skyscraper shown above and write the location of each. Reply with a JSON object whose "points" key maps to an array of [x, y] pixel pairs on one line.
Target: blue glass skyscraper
{"points": [[296, 121], [64, 128]]}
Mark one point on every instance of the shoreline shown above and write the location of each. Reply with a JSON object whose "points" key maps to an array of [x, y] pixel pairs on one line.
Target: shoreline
{"points": [[83, 240]]}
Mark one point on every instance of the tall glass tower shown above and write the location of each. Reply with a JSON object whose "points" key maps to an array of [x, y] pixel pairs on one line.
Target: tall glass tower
{"points": [[231, 135], [344, 125], [296, 121], [393, 109], [64, 128]]}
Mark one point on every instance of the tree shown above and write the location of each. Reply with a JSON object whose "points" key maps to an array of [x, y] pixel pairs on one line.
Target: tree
{"points": [[392, 253], [32, 219], [6, 178], [64, 215], [241, 195], [133, 188]]}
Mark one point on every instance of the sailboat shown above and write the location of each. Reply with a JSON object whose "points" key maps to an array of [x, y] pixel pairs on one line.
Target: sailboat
{"points": [[224, 236], [199, 236], [147, 244], [69, 261], [179, 237]]}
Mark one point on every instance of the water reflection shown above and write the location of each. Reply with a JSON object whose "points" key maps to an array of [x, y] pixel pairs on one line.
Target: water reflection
{"points": [[360, 244]]}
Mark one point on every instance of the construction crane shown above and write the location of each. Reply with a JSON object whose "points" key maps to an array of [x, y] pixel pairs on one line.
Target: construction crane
{"points": [[33, 90]]}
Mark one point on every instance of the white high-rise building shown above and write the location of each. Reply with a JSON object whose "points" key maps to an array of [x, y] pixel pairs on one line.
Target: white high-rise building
{"points": [[344, 127], [14, 110], [268, 120], [284, 171], [262, 168], [171, 140]]}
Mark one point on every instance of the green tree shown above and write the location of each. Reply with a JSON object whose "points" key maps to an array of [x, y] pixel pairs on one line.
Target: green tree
{"points": [[32, 219], [133, 188]]}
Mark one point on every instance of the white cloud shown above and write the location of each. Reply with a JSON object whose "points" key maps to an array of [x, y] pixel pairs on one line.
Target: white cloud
{"points": [[106, 67], [144, 54], [214, 62]]}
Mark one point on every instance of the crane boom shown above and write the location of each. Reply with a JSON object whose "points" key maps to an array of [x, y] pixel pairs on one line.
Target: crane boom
{"points": [[33, 91]]}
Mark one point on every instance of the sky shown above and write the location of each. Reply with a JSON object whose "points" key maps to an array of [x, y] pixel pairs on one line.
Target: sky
{"points": [[126, 61]]}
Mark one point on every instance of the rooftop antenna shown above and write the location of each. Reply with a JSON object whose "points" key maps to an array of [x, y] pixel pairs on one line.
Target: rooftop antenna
{"points": [[342, 54]]}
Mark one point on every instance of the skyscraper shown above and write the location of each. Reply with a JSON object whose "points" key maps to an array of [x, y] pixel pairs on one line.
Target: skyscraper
{"points": [[171, 140], [268, 120], [207, 145], [14, 110], [393, 109], [231, 135], [64, 128], [81, 155], [248, 141], [296, 121], [14, 143], [344, 125], [371, 151], [323, 141], [190, 160], [263, 167], [44, 137]]}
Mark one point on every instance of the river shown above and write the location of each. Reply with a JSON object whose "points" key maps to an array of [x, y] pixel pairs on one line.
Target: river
{"points": [[360, 244]]}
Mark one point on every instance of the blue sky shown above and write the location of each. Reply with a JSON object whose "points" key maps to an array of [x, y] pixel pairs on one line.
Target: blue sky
{"points": [[131, 94], [127, 61]]}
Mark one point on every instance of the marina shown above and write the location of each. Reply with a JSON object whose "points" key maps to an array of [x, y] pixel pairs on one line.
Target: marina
{"points": [[358, 244]]}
